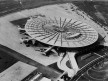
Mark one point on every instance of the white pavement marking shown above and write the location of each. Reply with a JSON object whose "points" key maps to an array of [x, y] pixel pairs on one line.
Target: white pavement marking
{"points": [[97, 54]]}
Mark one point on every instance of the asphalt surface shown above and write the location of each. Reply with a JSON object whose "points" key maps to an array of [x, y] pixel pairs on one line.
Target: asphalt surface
{"points": [[6, 61]]}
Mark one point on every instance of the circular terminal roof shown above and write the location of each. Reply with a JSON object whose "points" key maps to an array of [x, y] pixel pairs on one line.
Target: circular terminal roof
{"points": [[61, 32]]}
